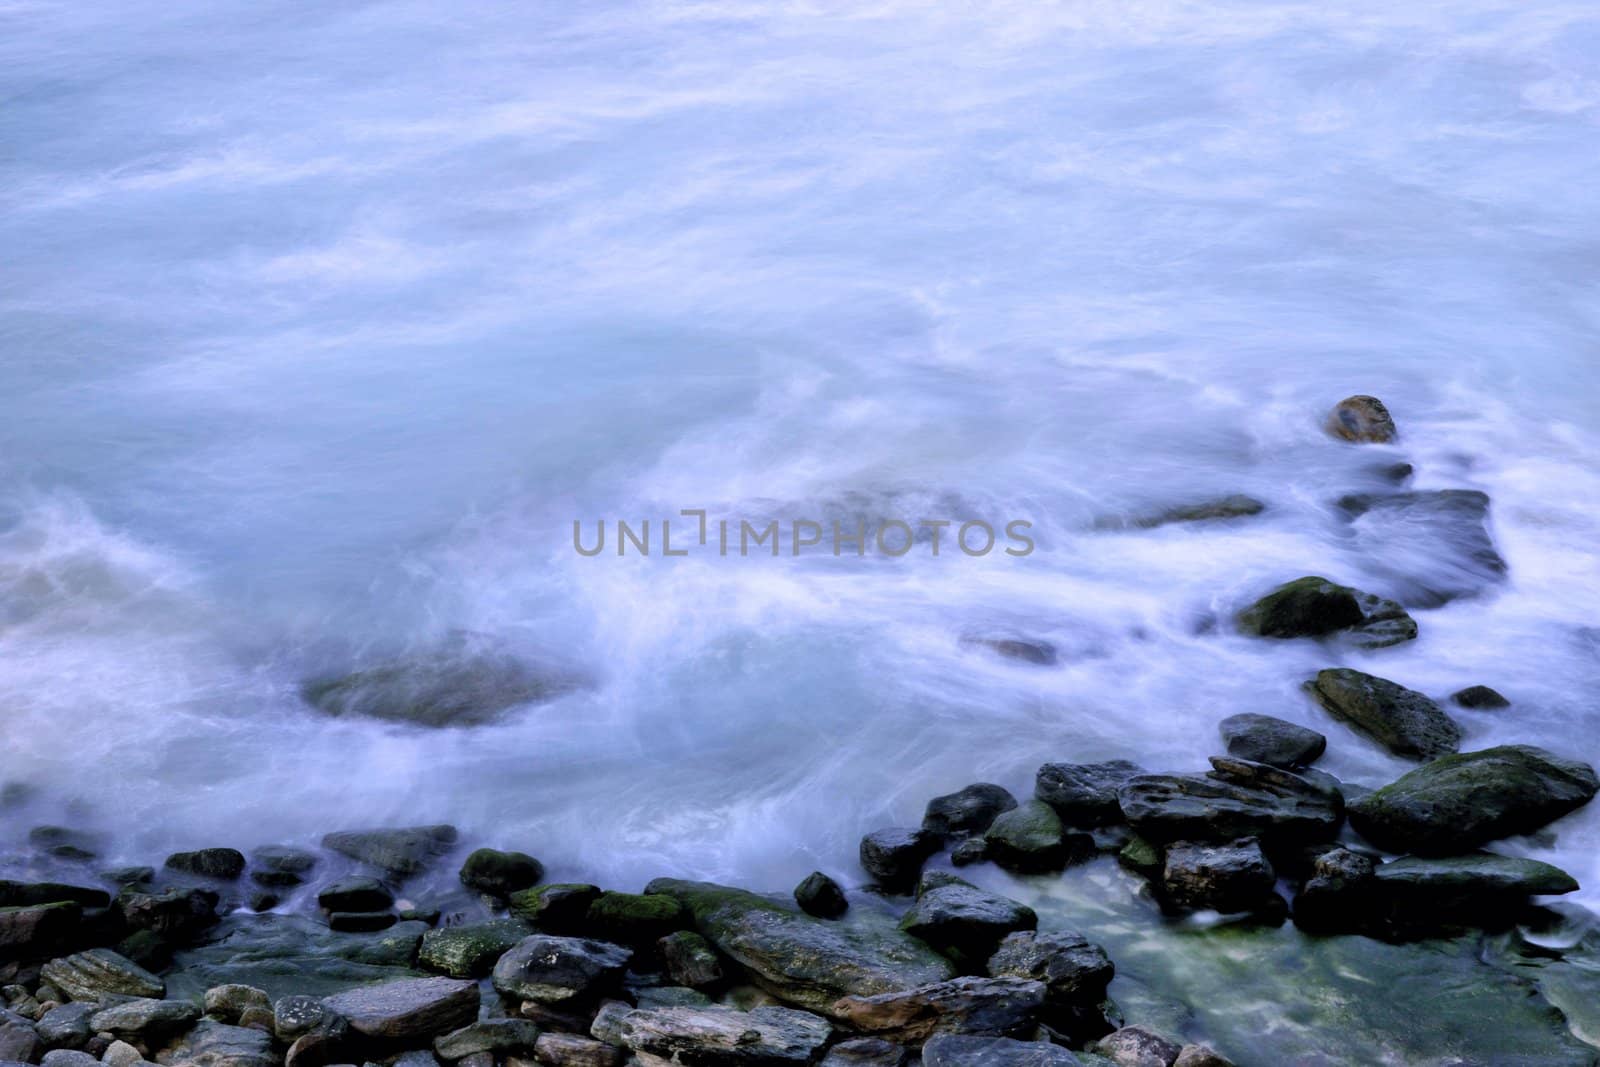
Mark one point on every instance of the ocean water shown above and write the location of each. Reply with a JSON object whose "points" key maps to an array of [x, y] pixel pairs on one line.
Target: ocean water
{"points": [[321, 324]]}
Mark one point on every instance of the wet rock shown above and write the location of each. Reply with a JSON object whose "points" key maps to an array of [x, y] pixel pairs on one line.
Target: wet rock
{"points": [[280, 867], [972, 850], [145, 1018], [867, 1052], [1433, 547], [121, 1054], [1361, 419], [322, 1048], [28, 894], [1401, 720], [228, 1002], [66, 1026], [634, 919], [1474, 878], [214, 1044], [559, 908], [1134, 1046], [399, 853], [356, 894], [1000, 1007], [19, 1043], [1264, 739], [1315, 607], [1200, 1056], [725, 1037], [1236, 506], [262, 900], [99, 972], [66, 1058], [691, 960], [962, 921], [570, 1050], [224, 864], [1340, 895], [1235, 800], [1459, 802], [64, 842], [1085, 794], [31, 929], [1480, 697], [967, 811], [1031, 838], [1074, 971], [284, 954], [965, 1050], [500, 874], [470, 950], [361, 922], [501, 1037], [408, 1010], [801, 959], [558, 970], [894, 857], [821, 896], [176, 914], [1233, 877], [453, 688]]}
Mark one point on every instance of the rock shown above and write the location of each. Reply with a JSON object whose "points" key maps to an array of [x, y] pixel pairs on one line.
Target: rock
{"points": [[30, 929], [570, 1050], [1459, 802], [225, 864], [500, 874], [408, 1010], [175, 914], [1315, 607], [964, 922], [725, 1037], [1236, 506], [261, 900], [66, 1026], [459, 685], [1479, 696], [399, 853], [1474, 879], [470, 950], [967, 811], [214, 1044], [361, 922], [558, 970], [1402, 720], [999, 1007], [559, 908], [1361, 419], [1031, 838], [1038, 653], [804, 960], [98, 972], [499, 1036], [1200, 1056], [64, 842], [27, 894], [1074, 971], [356, 894], [1229, 878], [19, 1042], [280, 867], [972, 850], [321, 1048], [1339, 895], [62, 1057], [126, 876], [1134, 1046], [300, 1014], [965, 1050], [148, 949], [634, 919], [1264, 739], [228, 1002], [894, 857], [691, 960], [145, 1018], [821, 896], [1277, 807], [1432, 547], [1085, 794], [867, 1052]]}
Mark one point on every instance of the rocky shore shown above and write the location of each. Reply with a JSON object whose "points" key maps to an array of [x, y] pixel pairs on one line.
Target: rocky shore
{"points": [[353, 953]]}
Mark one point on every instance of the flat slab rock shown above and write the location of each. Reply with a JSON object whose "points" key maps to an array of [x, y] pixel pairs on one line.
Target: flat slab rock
{"points": [[1266, 739], [398, 852], [98, 972], [999, 1007], [963, 1050], [1402, 720], [408, 1009], [1228, 803], [1480, 875], [723, 1037]]}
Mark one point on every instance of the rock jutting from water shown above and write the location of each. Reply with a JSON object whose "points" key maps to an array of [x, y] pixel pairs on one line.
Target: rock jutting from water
{"points": [[1361, 419], [1316, 607], [1405, 722]]}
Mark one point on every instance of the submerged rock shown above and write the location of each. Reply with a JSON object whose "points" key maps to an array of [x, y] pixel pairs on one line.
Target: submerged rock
{"points": [[408, 1010], [1038, 653], [1459, 802], [1085, 794], [724, 1037], [966, 1050], [804, 960], [1031, 838], [1361, 419], [962, 921], [819, 895], [967, 811], [1232, 877], [399, 853], [1237, 799], [453, 688], [1001, 1007], [894, 857], [1236, 506], [1265, 739], [1433, 546], [1315, 607], [1479, 696], [1401, 720]]}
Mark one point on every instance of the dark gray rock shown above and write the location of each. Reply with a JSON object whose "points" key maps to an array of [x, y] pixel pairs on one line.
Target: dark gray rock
{"points": [[1031, 838], [1000, 1007], [1264, 739], [471, 949], [408, 1010], [144, 1018], [1340, 895], [867, 1052], [99, 972], [362, 922], [967, 811], [559, 908], [19, 1042], [1432, 547], [285, 954], [962, 921], [1075, 972], [1401, 720], [1361, 419], [1477, 877], [1459, 802], [281, 867], [500, 874], [66, 1058], [1480, 697], [176, 915], [1038, 653], [691, 960], [356, 894], [32, 929], [299, 1014], [965, 1050], [66, 1026], [559, 970], [26, 894], [1276, 806], [225, 864], [1085, 794], [214, 1044], [1233, 877], [1316, 607], [725, 1037], [1236, 506], [502, 1037], [894, 857], [821, 896], [399, 853]]}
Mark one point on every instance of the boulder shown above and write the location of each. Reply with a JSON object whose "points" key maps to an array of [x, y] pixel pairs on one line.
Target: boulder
{"points": [[471, 949], [1085, 794], [1031, 838], [559, 970], [398, 853], [637, 920], [691, 960], [225, 864], [966, 1050], [501, 1037], [408, 1010], [1074, 971], [1265, 739], [1432, 547], [1316, 607], [67, 1025], [1277, 806], [1459, 802], [214, 1044], [1473, 878], [1000, 1007], [821, 896], [1340, 895], [962, 921], [30, 929], [801, 959], [99, 972], [1401, 720], [145, 1018], [279, 866], [717, 1036], [500, 874], [967, 811], [1361, 419], [25, 894], [559, 908], [1480, 697], [174, 914], [1232, 877], [894, 857]]}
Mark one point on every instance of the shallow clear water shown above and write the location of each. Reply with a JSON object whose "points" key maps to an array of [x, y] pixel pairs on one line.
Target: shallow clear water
{"points": [[319, 326]]}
